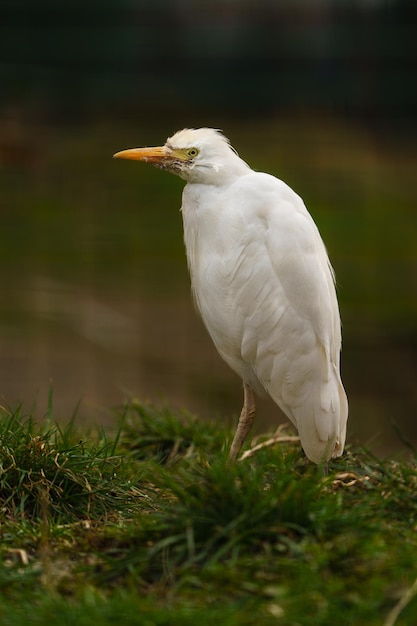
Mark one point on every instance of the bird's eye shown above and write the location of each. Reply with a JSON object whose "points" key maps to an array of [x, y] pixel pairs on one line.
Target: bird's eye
{"points": [[192, 152]]}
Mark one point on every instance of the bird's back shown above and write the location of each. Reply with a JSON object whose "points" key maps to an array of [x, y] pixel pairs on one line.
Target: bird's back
{"points": [[264, 286]]}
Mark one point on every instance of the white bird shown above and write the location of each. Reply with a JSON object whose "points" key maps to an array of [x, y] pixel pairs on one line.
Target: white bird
{"points": [[263, 284]]}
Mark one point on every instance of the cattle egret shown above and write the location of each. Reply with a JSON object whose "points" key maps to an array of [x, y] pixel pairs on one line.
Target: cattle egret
{"points": [[263, 284]]}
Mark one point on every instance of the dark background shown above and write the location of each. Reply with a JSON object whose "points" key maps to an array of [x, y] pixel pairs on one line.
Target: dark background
{"points": [[94, 290]]}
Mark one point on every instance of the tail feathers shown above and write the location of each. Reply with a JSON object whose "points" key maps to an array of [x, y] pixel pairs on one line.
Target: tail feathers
{"points": [[310, 392], [321, 422]]}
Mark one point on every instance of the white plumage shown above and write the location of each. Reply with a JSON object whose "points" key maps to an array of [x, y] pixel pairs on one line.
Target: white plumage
{"points": [[263, 284]]}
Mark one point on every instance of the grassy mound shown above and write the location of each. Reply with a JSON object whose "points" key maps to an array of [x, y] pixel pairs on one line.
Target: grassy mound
{"points": [[152, 526]]}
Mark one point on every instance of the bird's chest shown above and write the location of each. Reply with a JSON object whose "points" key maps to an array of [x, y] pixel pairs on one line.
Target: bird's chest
{"points": [[216, 254], [210, 237]]}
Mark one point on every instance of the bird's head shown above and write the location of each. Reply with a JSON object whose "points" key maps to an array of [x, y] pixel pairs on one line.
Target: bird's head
{"points": [[201, 155]]}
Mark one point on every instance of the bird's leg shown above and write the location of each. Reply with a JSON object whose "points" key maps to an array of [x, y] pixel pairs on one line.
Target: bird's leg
{"points": [[246, 419]]}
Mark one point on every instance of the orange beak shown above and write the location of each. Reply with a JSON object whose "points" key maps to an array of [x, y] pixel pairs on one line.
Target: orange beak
{"points": [[158, 156]]}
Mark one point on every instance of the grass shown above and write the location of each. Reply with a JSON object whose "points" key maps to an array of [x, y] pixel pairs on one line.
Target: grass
{"points": [[152, 527]]}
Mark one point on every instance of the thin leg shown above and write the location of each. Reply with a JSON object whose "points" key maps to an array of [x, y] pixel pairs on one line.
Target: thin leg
{"points": [[246, 419]]}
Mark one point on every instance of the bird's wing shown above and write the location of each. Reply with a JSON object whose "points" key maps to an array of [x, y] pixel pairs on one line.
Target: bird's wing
{"points": [[291, 328]]}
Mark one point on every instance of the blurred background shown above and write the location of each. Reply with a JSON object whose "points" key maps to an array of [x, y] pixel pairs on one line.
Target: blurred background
{"points": [[95, 300]]}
